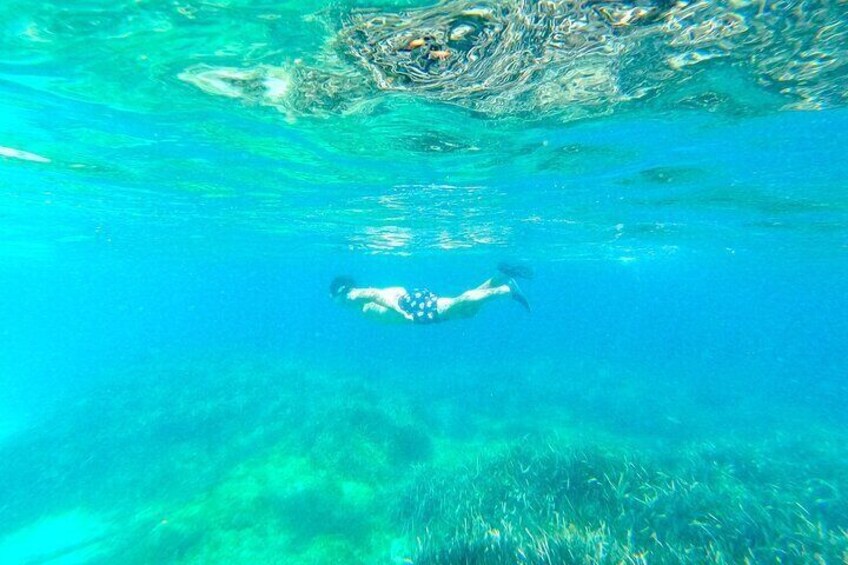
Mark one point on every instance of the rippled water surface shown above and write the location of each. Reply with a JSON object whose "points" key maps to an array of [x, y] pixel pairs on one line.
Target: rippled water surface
{"points": [[180, 181], [170, 114]]}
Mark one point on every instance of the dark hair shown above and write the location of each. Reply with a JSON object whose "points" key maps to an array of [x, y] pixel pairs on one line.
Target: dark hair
{"points": [[341, 285]]}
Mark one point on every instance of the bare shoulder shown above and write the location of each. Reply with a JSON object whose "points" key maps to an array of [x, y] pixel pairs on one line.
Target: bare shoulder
{"points": [[394, 291], [387, 297], [390, 296]]}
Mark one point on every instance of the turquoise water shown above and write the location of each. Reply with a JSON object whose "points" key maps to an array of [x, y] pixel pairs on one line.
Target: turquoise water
{"points": [[182, 180]]}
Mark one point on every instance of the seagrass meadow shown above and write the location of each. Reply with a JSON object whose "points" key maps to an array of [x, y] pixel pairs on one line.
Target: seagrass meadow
{"points": [[251, 458]]}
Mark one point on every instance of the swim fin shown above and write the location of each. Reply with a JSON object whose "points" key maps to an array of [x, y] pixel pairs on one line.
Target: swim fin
{"points": [[515, 270], [517, 295]]}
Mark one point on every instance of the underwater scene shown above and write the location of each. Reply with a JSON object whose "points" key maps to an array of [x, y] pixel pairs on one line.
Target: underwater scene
{"points": [[404, 282]]}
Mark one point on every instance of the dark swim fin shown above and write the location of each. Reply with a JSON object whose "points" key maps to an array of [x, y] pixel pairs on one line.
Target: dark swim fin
{"points": [[515, 270], [517, 295]]}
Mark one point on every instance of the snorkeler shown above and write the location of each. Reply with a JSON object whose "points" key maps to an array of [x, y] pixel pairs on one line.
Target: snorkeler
{"points": [[422, 306]]}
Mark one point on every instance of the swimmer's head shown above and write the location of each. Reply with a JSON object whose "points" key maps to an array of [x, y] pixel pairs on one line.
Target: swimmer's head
{"points": [[341, 285]]}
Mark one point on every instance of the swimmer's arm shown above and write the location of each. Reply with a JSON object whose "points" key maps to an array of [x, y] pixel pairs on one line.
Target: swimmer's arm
{"points": [[383, 314], [385, 297]]}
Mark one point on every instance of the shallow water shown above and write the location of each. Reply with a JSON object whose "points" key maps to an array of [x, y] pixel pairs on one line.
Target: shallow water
{"points": [[178, 387]]}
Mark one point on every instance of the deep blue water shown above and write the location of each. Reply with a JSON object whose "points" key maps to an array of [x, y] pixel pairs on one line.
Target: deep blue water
{"points": [[753, 286]]}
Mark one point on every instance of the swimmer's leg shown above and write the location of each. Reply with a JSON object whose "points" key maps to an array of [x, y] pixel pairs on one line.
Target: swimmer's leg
{"points": [[468, 304], [515, 291]]}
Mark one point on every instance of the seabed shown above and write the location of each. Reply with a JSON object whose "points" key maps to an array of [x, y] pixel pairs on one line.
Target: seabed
{"points": [[264, 460]]}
